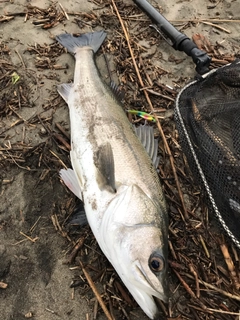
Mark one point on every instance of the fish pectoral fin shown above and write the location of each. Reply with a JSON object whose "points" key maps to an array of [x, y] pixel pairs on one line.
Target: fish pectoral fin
{"points": [[71, 181], [104, 162], [64, 90], [146, 136]]}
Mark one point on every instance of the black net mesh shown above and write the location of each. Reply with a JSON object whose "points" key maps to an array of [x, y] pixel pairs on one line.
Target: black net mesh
{"points": [[208, 119]]}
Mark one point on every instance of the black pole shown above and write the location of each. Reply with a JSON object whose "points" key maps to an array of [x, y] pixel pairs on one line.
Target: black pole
{"points": [[179, 40]]}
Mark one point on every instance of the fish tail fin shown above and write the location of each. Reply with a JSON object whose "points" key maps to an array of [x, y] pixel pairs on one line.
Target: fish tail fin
{"points": [[91, 39]]}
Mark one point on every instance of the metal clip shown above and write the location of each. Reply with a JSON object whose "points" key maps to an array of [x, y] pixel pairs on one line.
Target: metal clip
{"points": [[155, 27]]}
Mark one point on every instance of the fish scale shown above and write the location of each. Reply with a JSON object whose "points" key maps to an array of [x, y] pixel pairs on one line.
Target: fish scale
{"points": [[98, 107]]}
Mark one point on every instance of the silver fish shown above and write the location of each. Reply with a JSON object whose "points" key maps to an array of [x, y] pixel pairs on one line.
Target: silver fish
{"points": [[115, 178]]}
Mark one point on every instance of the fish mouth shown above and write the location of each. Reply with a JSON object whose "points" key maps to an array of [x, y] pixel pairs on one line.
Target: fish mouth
{"points": [[145, 291], [147, 302]]}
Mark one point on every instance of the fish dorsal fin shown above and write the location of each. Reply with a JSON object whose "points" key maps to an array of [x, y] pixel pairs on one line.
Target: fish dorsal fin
{"points": [[146, 136], [104, 162], [64, 90], [118, 93]]}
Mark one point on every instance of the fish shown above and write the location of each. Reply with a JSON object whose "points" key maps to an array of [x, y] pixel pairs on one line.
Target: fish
{"points": [[114, 176]]}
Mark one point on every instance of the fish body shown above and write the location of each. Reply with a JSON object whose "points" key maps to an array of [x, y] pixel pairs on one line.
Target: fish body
{"points": [[115, 178]]}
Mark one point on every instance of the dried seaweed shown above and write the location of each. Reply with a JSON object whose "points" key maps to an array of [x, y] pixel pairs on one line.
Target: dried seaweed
{"points": [[14, 90], [46, 55], [44, 18]]}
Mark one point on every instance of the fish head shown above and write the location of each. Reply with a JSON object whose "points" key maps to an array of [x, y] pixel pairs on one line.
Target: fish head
{"points": [[146, 259], [135, 242]]}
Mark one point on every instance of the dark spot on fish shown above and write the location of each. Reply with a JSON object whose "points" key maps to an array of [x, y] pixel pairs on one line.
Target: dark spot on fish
{"points": [[94, 205]]}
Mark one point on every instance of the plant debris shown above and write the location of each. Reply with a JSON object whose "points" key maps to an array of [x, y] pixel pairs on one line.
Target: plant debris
{"points": [[44, 18], [47, 55], [14, 90]]}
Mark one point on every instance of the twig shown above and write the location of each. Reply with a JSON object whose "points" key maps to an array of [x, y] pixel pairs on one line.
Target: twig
{"points": [[75, 250], [14, 14], [208, 20], [64, 132], [18, 165], [152, 110], [208, 285], [24, 66], [49, 310], [204, 246], [216, 26], [6, 18], [230, 265], [95, 309], [196, 279], [189, 290], [210, 310], [223, 62], [34, 225], [63, 10], [56, 156], [62, 140], [57, 227], [7, 181], [224, 312], [94, 289], [123, 292], [17, 122], [172, 250], [235, 253], [29, 238], [159, 94]]}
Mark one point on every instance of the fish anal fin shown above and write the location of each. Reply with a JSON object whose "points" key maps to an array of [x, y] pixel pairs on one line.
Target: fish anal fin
{"points": [[64, 90], [71, 181], [104, 162]]}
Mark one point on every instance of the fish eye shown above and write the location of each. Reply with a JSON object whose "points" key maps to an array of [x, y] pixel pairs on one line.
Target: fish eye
{"points": [[156, 263]]}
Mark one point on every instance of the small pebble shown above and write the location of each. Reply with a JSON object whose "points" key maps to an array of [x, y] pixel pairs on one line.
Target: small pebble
{"points": [[43, 130], [28, 315]]}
